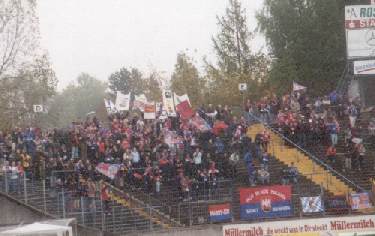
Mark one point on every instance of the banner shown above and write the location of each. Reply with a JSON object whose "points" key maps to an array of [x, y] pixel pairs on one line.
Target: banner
{"points": [[109, 106], [139, 102], [219, 212], [332, 226], [122, 101], [109, 170], [359, 16], [199, 123], [168, 102], [265, 202], [336, 204], [364, 67], [359, 201], [312, 204], [178, 99], [185, 110], [360, 43], [149, 111]]}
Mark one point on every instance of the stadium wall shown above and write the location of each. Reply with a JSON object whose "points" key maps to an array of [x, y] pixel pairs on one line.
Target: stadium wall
{"points": [[207, 230], [13, 212]]}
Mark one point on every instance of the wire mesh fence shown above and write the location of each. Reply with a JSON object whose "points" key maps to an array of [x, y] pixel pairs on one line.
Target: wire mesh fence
{"points": [[133, 210]]}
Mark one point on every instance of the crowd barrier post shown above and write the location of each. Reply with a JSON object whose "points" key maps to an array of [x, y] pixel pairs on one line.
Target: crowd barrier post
{"points": [[63, 202], [44, 195], [322, 197], [179, 212], [103, 215], [6, 183], [83, 210], [190, 210], [24, 187]]}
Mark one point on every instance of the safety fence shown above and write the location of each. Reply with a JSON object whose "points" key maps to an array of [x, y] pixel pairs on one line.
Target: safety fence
{"points": [[132, 210]]}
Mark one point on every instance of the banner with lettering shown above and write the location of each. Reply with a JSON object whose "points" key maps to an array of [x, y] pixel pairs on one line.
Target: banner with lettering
{"points": [[220, 212], [332, 226], [360, 201], [265, 202], [122, 101], [149, 111]]}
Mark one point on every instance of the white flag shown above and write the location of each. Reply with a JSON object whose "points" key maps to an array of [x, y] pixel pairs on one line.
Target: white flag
{"points": [[140, 102], [122, 101], [298, 87], [179, 99], [312, 204], [110, 106]]}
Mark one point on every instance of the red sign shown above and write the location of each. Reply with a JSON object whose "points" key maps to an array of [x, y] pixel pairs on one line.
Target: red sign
{"points": [[265, 202]]}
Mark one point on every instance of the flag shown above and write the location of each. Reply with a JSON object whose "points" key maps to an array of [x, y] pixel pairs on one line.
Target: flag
{"points": [[149, 111], [219, 126], [110, 106], [179, 99], [312, 204], [184, 109], [199, 123], [168, 103], [122, 101], [139, 102], [109, 170], [298, 87]]}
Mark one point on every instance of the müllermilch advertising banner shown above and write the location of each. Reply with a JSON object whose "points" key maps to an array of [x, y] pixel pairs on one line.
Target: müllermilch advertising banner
{"points": [[332, 226]]}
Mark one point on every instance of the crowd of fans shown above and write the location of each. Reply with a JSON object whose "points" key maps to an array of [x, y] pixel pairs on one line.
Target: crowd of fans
{"points": [[311, 123], [153, 155], [174, 154]]}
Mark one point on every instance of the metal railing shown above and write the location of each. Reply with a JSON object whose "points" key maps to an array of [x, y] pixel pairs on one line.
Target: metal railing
{"points": [[312, 156]]}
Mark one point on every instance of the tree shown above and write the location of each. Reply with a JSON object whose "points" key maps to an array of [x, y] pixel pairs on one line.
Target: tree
{"points": [[235, 61], [126, 81], [231, 44], [18, 34], [307, 42], [34, 84], [152, 86], [77, 100], [185, 79]]}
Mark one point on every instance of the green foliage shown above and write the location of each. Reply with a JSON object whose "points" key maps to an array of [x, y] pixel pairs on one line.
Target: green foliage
{"points": [[77, 100], [235, 61], [306, 38], [126, 81], [34, 84], [185, 79]]}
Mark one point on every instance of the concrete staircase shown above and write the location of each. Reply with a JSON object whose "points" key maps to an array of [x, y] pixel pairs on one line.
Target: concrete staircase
{"points": [[305, 165]]}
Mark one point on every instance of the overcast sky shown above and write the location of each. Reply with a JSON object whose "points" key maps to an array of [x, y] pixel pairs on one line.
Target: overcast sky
{"points": [[100, 36]]}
